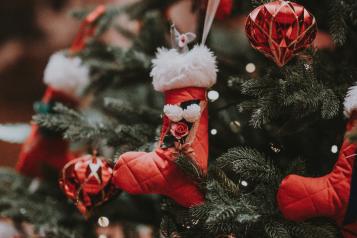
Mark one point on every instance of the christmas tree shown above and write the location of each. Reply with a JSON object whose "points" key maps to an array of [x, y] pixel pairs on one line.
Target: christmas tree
{"points": [[196, 139]]}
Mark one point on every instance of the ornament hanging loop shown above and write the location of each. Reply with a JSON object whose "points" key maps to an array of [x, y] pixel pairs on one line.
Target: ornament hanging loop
{"points": [[212, 7], [86, 29], [94, 154]]}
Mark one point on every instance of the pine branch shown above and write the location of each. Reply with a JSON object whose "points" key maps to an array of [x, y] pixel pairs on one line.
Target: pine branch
{"points": [[337, 25], [51, 217], [138, 9], [73, 125], [227, 184], [133, 135], [153, 34], [167, 227], [313, 229], [247, 163], [129, 113], [296, 96], [190, 168], [275, 229]]}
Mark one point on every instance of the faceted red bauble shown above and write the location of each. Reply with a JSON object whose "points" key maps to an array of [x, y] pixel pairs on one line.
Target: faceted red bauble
{"points": [[87, 181], [280, 29]]}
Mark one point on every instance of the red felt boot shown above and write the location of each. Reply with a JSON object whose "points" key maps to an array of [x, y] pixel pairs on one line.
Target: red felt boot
{"points": [[184, 79], [45, 151], [334, 195]]}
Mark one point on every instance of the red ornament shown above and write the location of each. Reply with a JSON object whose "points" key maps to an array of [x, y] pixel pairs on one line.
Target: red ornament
{"points": [[179, 130], [224, 10], [280, 30], [87, 181]]}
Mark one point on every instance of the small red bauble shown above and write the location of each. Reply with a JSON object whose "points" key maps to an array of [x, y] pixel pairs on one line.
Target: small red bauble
{"points": [[87, 181], [280, 30]]}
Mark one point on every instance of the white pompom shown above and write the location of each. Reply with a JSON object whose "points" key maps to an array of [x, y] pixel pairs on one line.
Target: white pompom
{"points": [[192, 113], [350, 103], [67, 74], [173, 112]]}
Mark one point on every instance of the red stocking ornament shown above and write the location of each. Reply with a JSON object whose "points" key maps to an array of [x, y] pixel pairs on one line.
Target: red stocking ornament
{"points": [[183, 76], [66, 78], [333, 195], [44, 150]]}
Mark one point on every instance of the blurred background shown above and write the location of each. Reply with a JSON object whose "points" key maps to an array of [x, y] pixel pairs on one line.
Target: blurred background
{"points": [[31, 30]]}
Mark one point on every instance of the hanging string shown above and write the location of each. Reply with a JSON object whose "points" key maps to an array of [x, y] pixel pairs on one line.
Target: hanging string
{"points": [[212, 6]]}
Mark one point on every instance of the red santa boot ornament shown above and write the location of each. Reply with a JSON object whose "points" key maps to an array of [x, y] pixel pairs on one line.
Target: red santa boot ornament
{"points": [[66, 78], [333, 195], [183, 76]]}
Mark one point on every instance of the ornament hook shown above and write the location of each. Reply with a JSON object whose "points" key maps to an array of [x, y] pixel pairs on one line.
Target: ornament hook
{"points": [[212, 7]]}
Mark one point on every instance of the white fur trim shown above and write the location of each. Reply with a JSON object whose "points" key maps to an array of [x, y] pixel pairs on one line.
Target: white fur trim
{"points": [[66, 74], [14, 133], [192, 113], [195, 68], [173, 112], [350, 103], [7, 230]]}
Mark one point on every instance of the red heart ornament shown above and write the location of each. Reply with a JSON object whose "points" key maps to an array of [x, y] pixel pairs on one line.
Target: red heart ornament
{"points": [[87, 181], [280, 30]]}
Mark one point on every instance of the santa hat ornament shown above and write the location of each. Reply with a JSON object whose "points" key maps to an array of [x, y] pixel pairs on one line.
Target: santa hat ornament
{"points": [[66, 78], [333, 195], [183, 76]]}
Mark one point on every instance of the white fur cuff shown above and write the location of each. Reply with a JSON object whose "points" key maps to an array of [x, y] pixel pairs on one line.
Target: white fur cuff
{"points": [[196, 68], [350, 103], [66, 74]]}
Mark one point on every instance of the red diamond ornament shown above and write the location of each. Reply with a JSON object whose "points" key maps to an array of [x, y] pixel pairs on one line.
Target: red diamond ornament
{"points": [[280, 30]]}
